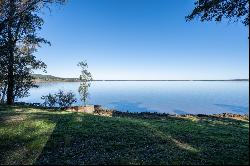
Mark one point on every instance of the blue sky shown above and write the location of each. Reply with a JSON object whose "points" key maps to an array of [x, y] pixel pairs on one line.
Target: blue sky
{"points": [[141, 39]]}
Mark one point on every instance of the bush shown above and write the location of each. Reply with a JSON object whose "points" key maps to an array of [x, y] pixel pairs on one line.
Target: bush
{"points": [[65, 99], [61, 99], [49, 100]]}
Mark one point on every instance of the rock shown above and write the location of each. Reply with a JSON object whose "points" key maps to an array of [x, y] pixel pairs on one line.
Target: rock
{"points": [[97, 106], [87, 109]]}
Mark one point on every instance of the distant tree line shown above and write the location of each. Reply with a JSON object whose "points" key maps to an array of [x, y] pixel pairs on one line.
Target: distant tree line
{"points": [[50, 78]]}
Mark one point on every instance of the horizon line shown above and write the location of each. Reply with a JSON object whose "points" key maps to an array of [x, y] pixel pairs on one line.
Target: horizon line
{"points": [[173, 80], [231, 79]]}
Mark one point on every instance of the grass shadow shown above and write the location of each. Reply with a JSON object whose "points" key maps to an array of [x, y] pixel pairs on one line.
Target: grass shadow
{"points": [[87, 139], [76, 138]]}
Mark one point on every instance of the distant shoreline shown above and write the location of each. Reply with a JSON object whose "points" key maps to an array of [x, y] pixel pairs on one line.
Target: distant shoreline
{"points": [[49, 78], [41, 81], [174, 80]]}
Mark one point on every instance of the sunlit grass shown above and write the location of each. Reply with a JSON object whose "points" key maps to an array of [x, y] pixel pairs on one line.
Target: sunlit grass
{"points": [[36, 136]]}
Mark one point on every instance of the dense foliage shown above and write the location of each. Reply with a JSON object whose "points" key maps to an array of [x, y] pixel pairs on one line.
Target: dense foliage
{"points": [[49, 100], [19, 24], [234, 10], [61, 99]]}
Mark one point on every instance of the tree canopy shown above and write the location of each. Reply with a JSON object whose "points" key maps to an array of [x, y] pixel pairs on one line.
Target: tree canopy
{"points": [[217, 10], [19, 23]]}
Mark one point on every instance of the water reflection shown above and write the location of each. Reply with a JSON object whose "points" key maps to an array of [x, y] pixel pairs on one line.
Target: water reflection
{"points": [[234, 108], [130, 106], [161, 96]]}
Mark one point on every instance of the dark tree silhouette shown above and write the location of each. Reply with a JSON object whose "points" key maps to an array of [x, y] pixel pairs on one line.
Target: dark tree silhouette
{"points": [[233, 10], [19, 23]]}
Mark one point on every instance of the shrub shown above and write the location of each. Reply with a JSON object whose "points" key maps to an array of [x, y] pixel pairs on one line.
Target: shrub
{"points": [[65, 99], [49, 100], [61, 99]]}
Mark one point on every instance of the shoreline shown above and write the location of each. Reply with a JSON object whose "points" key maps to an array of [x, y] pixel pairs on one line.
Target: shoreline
{"points": [[99, 110], [56, 81]]}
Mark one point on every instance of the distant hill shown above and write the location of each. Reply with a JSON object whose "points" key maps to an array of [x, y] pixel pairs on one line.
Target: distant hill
{"points": [[50, 78], [240, 80]]}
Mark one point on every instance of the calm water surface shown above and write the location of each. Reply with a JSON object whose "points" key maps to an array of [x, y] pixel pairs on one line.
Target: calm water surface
{"points": [[173, 97]]}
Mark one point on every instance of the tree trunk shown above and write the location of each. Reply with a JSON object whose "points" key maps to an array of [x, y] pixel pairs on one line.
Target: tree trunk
{"points": [[3, 93], [10, 90], [11, 47]]}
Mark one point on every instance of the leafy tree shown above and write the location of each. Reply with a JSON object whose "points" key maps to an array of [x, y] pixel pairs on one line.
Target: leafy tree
{"points": [[86, 79], [83, 91], [234, 10], [19, 23], [24, 63]]}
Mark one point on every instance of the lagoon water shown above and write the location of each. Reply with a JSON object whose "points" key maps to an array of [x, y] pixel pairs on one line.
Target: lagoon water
{"points": [[175, 97]]}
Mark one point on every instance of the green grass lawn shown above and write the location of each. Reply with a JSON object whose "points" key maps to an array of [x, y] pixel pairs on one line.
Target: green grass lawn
{"points": [[34, 136]]}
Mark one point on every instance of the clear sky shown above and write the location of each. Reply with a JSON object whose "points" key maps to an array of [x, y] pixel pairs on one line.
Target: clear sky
{"points": [[141, 39]]}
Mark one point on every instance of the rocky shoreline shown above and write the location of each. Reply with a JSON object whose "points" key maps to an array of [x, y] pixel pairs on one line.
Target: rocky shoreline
{"points": [[109, 112], [99, 110]]}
